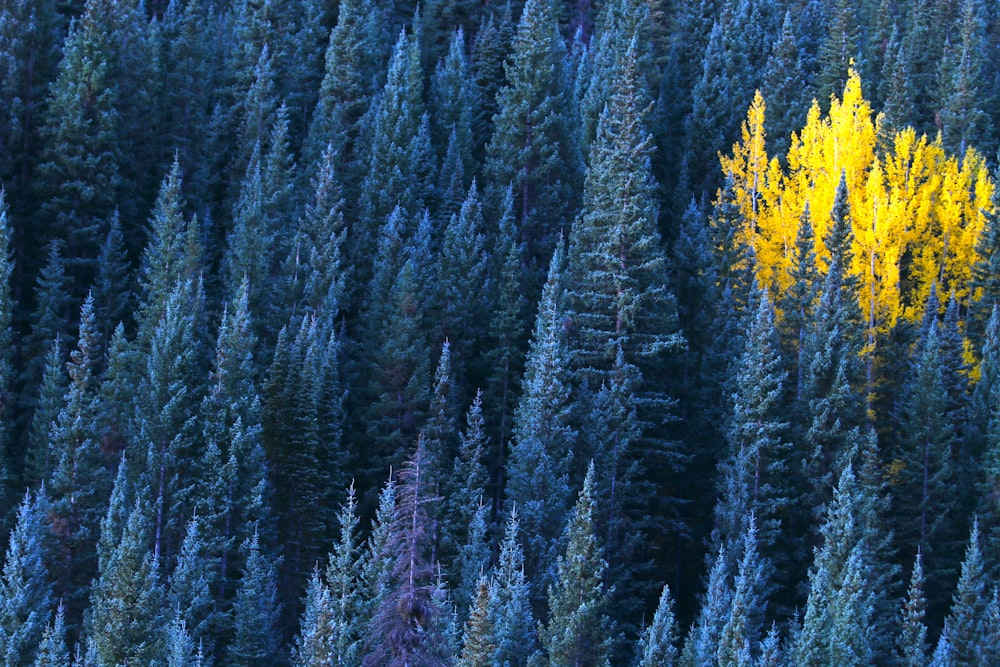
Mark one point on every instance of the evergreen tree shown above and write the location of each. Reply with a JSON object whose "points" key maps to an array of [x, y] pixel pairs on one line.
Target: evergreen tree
{"points": [[838, 623], [112, 290], [39, 459], [49, 321], [351, 62], [926, 493], [344, 583], [507, 330], [256, 611], [395, 162], [969, 607], [52, 651], [841, 47], [26, 598], [538, 467], [984, 283], [454, 104], [7, 404], [407, 624], [29, 41], [164, 417], [80, 171], [316, 631], [478, 643], [194, 585], [532, 147], [911, 644], [510, 602], [579, 631], [657, 645], [702, 640], [126, 621], [79, 483], [757, 468], [463, 266]]}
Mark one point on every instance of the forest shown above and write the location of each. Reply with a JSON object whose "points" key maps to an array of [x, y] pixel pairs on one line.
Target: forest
{"points": [[499, 332]]}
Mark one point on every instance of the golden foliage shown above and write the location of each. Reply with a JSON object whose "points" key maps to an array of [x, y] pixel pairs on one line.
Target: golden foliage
{"points": [[916, 210]]}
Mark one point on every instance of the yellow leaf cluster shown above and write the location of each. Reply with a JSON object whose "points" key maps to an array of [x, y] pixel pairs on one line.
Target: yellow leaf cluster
{"points": [[916, 211]]}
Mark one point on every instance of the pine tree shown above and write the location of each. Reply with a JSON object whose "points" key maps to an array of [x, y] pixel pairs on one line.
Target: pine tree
{"points": [[39, 457], [344, 583], [702, 640], [838, 623], [394, 161], [407, 624], [510, 602], [49, 321], [78, 481], [969, 605], [657, 645], [80, 171], [164, 420], [841, 46], [180, 647], [538, 467], [579, 631], [26, 598], [532, 147], [52, 650], [911, 644], [478, 643], [112, 290], [6, 340], [759, 461], [744, 627], [454, 104], [984, 283], [925, 495], [463, 274], [194, 585], [351, 62], [465, 489], [256, 611], [126, 621], [29, 37]]}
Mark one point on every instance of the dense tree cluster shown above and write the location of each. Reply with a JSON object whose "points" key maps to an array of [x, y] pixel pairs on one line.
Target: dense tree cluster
{"points": [[538, 333]]}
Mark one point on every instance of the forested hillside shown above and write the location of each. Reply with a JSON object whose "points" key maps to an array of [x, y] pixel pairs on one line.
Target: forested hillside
{"points": [[634, 332]]}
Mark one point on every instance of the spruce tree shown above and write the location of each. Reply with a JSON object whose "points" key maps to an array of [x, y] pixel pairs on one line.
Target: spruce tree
{"points": [[510, 602], [478, 643], [80, 171], [6, 339], [532, 148], [407, 624], [194, 589], [256, 611], [657, 645], [969, 607], [52, 650], [39, 459], [543, 443], [26, 598], [911, 644], [79, 482], [579, 632], [126, 621]]}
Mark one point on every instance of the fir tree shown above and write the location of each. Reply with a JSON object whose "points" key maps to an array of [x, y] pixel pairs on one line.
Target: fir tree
{"points": [[657, 645], [478, 644], [194, 585], [966, 621], [78, 482], [407, 624], [911, 644], [532, 147], [126, 621], [26, 598], [52, 650], [80, 173], [538, 467], [579, 631], [510, 602], [256, 611]]}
